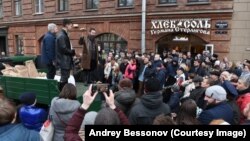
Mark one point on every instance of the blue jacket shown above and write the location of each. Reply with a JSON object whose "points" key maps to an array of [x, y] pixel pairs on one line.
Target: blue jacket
{"points": [[220, 111], [17, 132], [32, 117], [48, 48]]}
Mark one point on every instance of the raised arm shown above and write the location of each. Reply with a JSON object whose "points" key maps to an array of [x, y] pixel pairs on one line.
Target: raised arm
{"points": [[74, 124]]}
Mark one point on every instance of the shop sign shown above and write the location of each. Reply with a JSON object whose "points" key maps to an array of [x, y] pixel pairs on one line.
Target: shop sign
{"points": [[199, 25], [221, 25]]}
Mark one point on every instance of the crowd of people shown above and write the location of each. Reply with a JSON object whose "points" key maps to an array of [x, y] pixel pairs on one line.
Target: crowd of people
{"points": [[172, 88]]}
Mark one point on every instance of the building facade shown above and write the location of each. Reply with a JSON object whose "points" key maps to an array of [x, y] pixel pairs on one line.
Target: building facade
{"points": [[184, 25], [240, 43]]}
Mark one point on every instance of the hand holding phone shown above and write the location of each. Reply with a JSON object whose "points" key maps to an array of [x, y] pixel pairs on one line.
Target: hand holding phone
{"points": [[88, 98], [100, 88], [110, 99]]}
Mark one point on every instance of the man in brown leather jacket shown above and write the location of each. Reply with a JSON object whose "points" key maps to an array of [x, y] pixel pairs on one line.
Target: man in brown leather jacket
{"points": [[89, 55]]}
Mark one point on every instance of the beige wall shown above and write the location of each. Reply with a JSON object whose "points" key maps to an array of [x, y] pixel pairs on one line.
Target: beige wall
{"points": [[240, 42]]}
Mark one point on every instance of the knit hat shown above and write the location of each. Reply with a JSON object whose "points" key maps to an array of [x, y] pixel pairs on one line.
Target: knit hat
{"points": [[152, 85], [216, 92], [28, 98], [89, 119]]}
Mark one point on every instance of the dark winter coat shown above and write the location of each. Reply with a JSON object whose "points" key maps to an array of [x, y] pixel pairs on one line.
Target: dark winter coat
{"points": [[48, 48], [125, 99], [220, 111], [150, 106], [64, 53], [17, 132]]}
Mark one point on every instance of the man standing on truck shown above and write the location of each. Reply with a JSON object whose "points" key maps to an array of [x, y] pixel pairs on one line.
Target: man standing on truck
{"points": [[48, 50], [64, 52], [89, 55]]}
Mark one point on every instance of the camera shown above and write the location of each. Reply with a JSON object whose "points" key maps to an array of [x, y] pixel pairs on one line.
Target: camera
{"points": [[100, 88]]}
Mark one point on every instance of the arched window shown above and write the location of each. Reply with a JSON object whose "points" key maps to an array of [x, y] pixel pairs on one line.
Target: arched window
{"points": [[112, 43]]}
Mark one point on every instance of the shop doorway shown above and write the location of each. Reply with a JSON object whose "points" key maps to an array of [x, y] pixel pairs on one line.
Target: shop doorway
{"points": [[181, 42], [3, 45], [3, 41]]}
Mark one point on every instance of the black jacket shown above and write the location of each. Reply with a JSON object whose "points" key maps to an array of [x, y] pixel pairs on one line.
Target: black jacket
{"points": [[150, 106], [64, 53]]}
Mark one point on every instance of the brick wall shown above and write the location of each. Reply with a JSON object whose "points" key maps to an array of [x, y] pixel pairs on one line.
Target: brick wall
{"points": [[124, 22]]}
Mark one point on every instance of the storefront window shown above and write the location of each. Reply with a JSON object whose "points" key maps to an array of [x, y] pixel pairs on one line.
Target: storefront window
{"points": [[166, 1], [111, 43]]}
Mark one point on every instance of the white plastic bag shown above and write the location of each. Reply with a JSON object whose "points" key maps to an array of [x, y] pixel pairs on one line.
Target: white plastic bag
{"points": [[47, 131]]}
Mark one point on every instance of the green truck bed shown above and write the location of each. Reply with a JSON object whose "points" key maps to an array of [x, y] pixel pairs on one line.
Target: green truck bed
{"points": [[14, 86], [45, 89]]}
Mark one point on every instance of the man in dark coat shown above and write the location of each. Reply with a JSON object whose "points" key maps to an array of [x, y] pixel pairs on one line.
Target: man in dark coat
{"points": [[48, 50], [217, 106], [150, 106], [64, 52]]}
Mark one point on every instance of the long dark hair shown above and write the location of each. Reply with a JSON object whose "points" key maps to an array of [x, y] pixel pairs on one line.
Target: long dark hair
{"points": [[68, 92], [187, 113]]}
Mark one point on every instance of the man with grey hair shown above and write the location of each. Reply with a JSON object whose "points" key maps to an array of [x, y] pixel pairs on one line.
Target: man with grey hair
{"points": [[243, 88], [48, 50]]}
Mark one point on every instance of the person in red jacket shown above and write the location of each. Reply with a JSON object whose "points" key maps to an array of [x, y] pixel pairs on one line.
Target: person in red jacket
{"points": [[243, 87]]}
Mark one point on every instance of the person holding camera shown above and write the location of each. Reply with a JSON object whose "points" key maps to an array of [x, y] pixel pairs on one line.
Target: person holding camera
{"points": [[104, 116]]}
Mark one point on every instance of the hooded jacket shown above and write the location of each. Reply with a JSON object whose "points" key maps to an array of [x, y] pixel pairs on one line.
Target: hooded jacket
{"points": [[17, 132], [125, 99], [61, 111], [32, 117], [150, 106]]}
